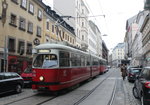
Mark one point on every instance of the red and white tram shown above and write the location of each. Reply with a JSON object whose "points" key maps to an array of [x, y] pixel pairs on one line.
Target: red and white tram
{"points": [[56, 67], [103, 65]]}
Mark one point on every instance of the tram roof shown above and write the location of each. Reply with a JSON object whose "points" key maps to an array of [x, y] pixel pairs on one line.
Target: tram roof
{"points": [[58, 46]]}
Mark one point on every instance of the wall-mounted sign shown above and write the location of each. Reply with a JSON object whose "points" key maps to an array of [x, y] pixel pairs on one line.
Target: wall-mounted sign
{"points": [[36, 41]]}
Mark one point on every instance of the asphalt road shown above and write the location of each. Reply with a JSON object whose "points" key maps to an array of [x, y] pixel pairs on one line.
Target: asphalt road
{"points": [[106, 89]]}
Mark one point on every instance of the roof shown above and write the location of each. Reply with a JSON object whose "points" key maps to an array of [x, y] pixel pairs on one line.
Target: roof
{"points": [[58, 46], [120, 45]]}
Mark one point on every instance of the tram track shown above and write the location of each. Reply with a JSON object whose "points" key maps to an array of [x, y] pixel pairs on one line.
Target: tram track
{"points": [[90, 92], [18, 100], [41, 100], [113, 94], [30, 97]]}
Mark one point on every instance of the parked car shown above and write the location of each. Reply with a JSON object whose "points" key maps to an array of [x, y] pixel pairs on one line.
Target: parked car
{"points": [[10, 81], [27, 76], [141, 89], [132, 72]]}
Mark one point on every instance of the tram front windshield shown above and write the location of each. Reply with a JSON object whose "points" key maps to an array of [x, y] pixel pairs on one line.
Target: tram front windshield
{"points": [[45, 61]]}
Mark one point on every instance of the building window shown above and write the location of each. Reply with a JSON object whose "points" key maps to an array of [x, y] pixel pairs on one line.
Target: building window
{"points": [[15, 1], [82, 11], [60, 32], [30, 27], [29, 48], [13, 20], [39, 14], [11, 45], [82, 37], [21, 47], [53, 28], [24, 4], [68, 38], [82, 24], [47, 25], [22, 24], [38, 31], [31, 8], [63, 35]]}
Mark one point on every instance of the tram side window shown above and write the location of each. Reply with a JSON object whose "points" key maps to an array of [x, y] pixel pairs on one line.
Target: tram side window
{"points": [[88, 61], [100, 62], [78, 60], [73, 59], [64, 59], [95, 62], [82, 61]]}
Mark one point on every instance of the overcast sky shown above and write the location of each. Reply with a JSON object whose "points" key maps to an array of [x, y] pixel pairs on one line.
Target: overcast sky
{"points": [[116, 13]]}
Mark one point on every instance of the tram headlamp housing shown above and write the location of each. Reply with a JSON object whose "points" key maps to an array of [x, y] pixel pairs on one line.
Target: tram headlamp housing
{"points": [[41, 78]]}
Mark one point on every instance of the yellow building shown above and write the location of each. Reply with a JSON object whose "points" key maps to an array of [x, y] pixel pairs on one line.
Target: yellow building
{"points": [[56, 29], [25, 24], [21, 28]]}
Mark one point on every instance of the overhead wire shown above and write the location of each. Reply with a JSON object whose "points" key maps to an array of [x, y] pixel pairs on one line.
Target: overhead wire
{"points": [[99, 3]]}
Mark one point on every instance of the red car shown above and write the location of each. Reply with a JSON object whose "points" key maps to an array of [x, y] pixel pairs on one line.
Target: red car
{"points": [[27, 76]]}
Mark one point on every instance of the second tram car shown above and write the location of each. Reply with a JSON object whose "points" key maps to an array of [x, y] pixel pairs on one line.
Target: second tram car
{"points": [[56, 67]]}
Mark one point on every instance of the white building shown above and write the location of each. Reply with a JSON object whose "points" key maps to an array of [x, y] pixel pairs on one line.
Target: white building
{"points": [[94, 40], [131, 29], [133, 39], [137, 50], [76, 9], [118, 54]]}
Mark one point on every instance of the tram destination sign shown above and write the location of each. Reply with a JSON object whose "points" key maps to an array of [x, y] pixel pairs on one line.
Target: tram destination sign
{"points": [[44, 51]]}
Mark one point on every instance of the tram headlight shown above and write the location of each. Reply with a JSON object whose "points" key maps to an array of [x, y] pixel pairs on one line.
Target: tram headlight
{"points": [[41, 78]]}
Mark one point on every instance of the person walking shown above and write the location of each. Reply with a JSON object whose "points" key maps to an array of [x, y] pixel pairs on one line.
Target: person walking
{"points": [[123, 71]]}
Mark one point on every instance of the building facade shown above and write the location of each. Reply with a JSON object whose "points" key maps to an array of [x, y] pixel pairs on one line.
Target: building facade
{"points": [[105, 51], [94, 40], [145, 30], [131, 29], [118, 54], [56, 29], [137, 38], [21, 28], [78, 14], [25, 24]]}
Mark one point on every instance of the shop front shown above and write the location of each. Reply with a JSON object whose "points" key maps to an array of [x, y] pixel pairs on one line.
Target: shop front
{"points": [[18, 63]]}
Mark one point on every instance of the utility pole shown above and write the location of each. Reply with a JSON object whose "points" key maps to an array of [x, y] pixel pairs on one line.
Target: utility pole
{"points": [[5, 55], [4, 13]]}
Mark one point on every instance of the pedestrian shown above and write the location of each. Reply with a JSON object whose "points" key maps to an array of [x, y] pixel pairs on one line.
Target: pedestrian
{"points": [[123, 71]]}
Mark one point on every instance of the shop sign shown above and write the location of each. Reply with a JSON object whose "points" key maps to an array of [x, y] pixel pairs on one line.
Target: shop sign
{"points": [[36, 41]]}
